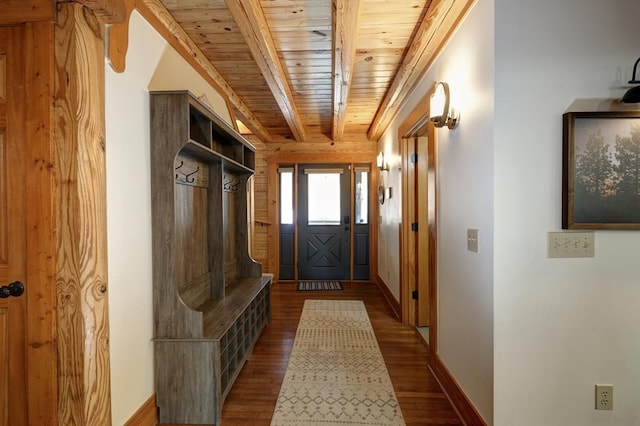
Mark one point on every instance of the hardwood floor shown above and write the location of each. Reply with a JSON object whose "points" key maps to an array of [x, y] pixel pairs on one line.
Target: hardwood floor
{"points": [[253, 397]]}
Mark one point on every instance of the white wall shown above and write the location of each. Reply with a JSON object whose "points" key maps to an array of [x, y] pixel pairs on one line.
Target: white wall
{"points": [[465, 191], [129, 223], [390, 214], [561, 325], [465, 200], [149, 62]]}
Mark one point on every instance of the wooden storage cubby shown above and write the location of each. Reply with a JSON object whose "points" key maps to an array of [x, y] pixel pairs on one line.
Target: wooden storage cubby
{"points": [[211, 300]]}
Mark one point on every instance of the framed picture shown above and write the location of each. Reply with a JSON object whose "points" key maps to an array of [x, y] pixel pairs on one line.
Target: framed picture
{"points": [[601, 170]]}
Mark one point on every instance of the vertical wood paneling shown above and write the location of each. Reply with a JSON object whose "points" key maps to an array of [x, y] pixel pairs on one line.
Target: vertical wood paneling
{"points": [[3, 201], [3, 78], [41, 226], [422, 194], [3, 171], [191, 232], [85, 396], [4, 368], [27, 359], [229, 227], [408, 237], [260, 208], [15, 163]]}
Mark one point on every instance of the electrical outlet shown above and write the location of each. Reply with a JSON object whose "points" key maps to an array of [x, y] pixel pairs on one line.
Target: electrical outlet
{"points": [[604, 397], [571, 244]]}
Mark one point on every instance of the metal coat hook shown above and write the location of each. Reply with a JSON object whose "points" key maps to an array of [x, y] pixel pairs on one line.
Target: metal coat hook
{"points": [[186, 177], [189, 176], [178, 167], [230, 184]]}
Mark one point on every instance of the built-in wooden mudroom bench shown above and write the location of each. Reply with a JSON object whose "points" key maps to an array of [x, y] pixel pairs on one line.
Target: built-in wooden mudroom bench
{"points": [[211, 300]]}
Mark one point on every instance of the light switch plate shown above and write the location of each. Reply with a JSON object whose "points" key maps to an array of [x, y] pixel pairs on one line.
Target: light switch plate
{"points": [[472, 240], [571, 244]]}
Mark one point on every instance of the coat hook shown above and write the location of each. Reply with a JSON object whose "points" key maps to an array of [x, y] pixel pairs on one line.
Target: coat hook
{"points": [[179, 165], [230, 184], [189, 176]]}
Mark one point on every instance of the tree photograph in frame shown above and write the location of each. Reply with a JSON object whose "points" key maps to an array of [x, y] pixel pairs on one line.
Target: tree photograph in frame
{"points": [[601, 170]]}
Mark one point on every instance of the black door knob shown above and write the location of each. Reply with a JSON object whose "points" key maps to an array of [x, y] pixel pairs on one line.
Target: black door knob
{"points": [[14, 289]]}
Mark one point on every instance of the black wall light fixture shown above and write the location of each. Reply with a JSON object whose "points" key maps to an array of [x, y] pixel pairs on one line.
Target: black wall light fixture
{"points": [[633, 94]]}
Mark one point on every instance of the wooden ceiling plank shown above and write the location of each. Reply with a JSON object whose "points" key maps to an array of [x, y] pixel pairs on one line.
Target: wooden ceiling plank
{"points": [[442, 19], [159, 17], [346, 14], [250, 19]]}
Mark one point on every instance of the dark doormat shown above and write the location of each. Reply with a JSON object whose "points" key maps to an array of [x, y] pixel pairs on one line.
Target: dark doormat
{"points": [[319, 285]]}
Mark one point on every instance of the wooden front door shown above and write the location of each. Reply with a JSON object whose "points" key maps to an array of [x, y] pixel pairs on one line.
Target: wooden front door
{"points": [[13, 304]]}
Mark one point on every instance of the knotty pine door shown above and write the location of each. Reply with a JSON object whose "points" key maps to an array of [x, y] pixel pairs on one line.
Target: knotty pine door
{"points": [[13, 308]]}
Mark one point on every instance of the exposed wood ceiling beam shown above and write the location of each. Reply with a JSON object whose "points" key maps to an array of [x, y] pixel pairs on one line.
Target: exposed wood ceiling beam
{"points": [[443, 17], [346, 14], [107, 11], [159, 17], [252, 23]]}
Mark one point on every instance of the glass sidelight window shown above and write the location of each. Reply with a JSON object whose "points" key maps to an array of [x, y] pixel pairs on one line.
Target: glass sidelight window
{"points": [[361, 239], [286, 196], [286, 227], [362, 197]]}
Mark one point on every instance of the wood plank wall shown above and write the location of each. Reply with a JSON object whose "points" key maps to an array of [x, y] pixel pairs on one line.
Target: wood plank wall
{"points": [[260, 248], [41, 226]]}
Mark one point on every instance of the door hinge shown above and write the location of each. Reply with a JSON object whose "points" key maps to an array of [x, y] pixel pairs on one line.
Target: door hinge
{"points": [[414, 226], [414, 158], [414, 294]]}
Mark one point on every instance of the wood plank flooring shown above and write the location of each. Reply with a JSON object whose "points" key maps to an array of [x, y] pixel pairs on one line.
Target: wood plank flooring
{"points": [[253, 397]]}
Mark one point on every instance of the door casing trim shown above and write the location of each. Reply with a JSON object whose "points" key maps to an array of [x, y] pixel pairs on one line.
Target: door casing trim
{"points": [[294, 159], [416, 119]]}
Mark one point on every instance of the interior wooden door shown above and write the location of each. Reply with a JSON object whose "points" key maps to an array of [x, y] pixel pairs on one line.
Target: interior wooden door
{"points": [[13, 303], [415, 261]]}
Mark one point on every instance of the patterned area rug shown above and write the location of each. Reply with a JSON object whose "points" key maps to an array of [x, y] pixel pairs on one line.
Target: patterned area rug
{"points": [[336, 374], [319, 285]]}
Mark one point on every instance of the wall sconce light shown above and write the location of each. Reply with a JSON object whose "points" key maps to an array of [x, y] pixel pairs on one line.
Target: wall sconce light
{"points": [[382, 164], [633, 95], [439, 110]]}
